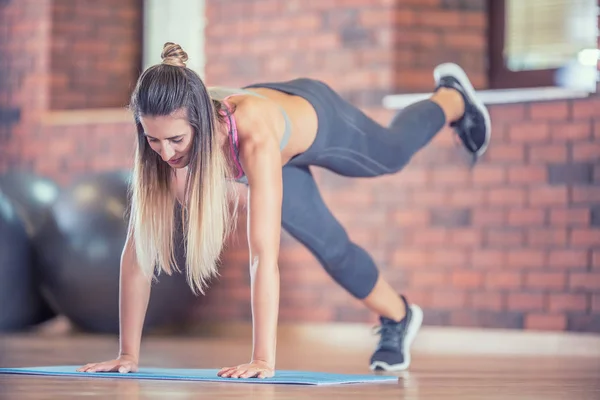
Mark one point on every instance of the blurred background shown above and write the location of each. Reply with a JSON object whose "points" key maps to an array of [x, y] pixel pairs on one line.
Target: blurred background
{"points": [[513, 243]]}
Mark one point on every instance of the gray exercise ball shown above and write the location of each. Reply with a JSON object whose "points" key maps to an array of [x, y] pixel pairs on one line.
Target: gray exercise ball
{"points": [[82, 244], [21, 304]]}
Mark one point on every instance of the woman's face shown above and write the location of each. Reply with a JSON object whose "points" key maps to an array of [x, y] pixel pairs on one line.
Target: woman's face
{"points": [[170, 136]]}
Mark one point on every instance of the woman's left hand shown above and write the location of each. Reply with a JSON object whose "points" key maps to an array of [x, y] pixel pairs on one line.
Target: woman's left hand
{"points": [[255, 369]]}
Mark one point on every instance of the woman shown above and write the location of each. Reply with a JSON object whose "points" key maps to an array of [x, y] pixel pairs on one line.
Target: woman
{"points": [[192, 140]]}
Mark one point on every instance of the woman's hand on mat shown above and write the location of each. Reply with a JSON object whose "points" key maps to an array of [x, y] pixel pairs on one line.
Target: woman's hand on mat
{"points": [[123, 364], [255, 369]]}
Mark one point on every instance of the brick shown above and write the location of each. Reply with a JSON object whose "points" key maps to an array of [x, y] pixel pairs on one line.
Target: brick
{"points": [[453, 258], [447, 299], [560, 174], [555, 110], [595, 216], [485, 217], [585, 237], [587, 108], [596, 259], [548, 237], [596, 303], [578, 322], [464, 40], [527, 174], [545, 280], [546, 153], [506, 153], [526, 216], [570, 217], [439, 18], [414, 258], [530, 132], [464, 5], [410, 176], [545, 322], [449, 175], [526, 258], [596, 129], [487, 300], [525, 301], [585, 151], [571, 131], [403, 16], [376, 17], [547, 195], [487, 319], [558, 302], [568, 259], [474, 20], [585, 194], [506, 196], [428, 278], [465, 237], [507, 113], [584, 281], [467, 279], [466, 197], [451, 217], [488, 175], [504, 237], [489, 259], [503, 280], [428, 197], [408, 218], [427, 237]]}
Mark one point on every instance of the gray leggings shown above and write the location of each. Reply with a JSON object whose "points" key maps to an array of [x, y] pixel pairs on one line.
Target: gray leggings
{"points": [[350, 144]]}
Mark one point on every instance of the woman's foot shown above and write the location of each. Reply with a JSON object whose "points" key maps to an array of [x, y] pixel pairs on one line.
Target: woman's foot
{"points": [[474, 126], [393, 350]]}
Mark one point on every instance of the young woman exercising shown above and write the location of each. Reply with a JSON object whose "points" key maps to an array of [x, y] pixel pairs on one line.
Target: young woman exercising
{"points": [[192, 140]]}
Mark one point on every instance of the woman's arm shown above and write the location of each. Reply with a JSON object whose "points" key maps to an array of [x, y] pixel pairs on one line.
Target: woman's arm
{"points": [[133, 301], [134, 293], [264, 231], [260, 157]]}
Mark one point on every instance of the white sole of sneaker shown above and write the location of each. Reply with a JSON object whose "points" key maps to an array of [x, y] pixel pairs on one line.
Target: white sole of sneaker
{"points": [[451, 69], [411, 333]]}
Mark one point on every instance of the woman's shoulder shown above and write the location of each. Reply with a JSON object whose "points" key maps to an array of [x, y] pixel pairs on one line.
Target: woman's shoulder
{"points": [[257, 119]]}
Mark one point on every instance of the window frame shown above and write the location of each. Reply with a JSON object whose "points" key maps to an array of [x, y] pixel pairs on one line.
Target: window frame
{"points": [[499, 76]]}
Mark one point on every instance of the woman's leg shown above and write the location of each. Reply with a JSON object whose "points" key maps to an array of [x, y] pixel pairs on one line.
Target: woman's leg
{"points": [[306, 217], [352, 144]]}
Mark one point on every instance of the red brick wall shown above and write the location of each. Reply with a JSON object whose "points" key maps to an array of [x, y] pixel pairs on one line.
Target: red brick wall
{"points": [[512, 243], [23, 65], [33, 63], [95, 53]]}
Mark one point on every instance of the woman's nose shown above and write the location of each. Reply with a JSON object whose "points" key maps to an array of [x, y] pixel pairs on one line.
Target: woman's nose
{"points": [[167, 152]]}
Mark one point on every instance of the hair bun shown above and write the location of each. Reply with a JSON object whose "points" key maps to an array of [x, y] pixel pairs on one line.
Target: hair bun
{"points": [[174, 55]]}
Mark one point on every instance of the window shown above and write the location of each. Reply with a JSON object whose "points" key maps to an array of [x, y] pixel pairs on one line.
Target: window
{"points": [[536, 43]]}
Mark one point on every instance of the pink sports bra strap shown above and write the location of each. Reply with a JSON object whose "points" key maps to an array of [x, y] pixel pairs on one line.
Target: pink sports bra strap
{"points": [[232, 128]]}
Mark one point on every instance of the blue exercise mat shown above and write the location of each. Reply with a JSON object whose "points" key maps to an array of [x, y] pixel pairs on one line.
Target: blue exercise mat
{"points": [[188, 374]]}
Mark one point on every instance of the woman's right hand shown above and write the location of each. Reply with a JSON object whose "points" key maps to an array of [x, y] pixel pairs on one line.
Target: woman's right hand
{"points": [[123, 364]]}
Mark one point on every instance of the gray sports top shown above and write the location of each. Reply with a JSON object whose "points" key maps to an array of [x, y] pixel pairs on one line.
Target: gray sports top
{"points": [[222, 94]]}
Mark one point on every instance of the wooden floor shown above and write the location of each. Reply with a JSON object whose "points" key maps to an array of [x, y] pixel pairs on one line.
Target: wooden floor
{"points": [[432, 376]]}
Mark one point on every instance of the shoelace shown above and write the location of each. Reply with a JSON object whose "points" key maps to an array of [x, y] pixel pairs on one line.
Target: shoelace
{"points": [[390, 336]]}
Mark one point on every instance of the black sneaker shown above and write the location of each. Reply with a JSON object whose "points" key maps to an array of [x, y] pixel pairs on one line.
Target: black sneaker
{"points": [[393, 350], [474, 127]]}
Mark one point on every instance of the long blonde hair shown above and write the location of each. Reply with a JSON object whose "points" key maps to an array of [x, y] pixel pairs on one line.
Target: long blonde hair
{"points": [[207, 217]]}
